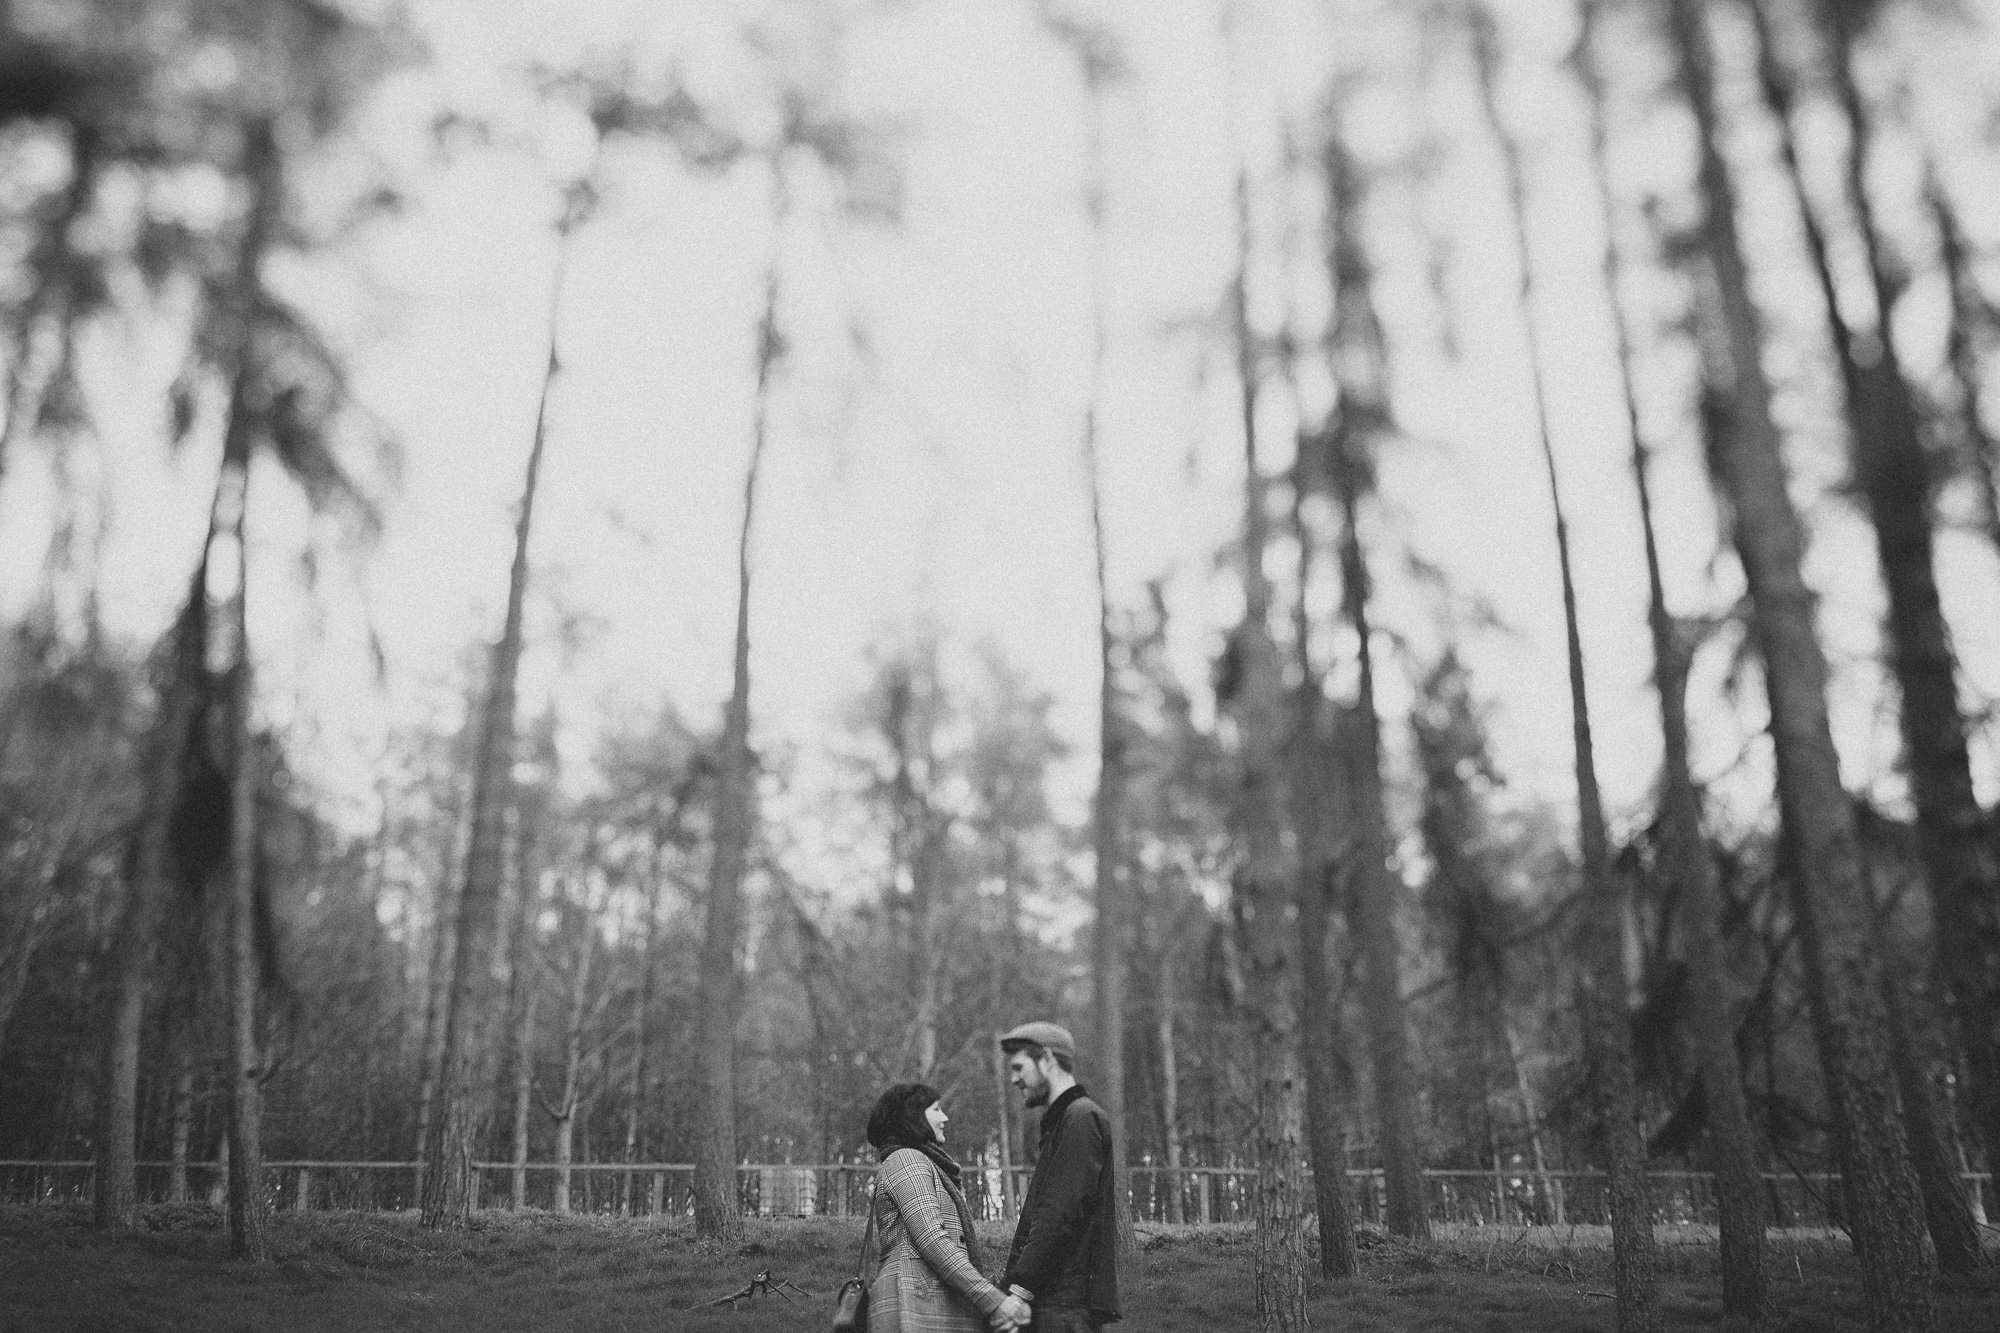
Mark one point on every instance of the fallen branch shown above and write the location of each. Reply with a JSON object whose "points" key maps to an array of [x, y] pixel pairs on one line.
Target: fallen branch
{"points": [[761, 1285]]}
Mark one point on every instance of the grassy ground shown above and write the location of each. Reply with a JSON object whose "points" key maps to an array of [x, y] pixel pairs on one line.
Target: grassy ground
{"points": [[375, 1271]]}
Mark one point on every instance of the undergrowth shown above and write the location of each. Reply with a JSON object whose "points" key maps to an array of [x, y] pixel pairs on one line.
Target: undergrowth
{"points": [[335, 1272]]}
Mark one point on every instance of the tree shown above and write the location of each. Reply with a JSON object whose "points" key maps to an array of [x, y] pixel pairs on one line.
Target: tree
{"points": [[582, 928], [1102, 67], [1893, 472], [813, 130], [1346, 468], [1251, 689], [285, 394], [1322, 813], [450, 1185], [1607, 1033], [1843, 974], [1731, 1145], [1178, 808]]}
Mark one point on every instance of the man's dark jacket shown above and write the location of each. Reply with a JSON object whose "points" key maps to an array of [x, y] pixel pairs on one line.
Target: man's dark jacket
{"points": [[1066, 1246]]}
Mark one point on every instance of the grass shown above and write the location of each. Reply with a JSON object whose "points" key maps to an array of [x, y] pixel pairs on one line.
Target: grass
{"points": [[550, 1274]]}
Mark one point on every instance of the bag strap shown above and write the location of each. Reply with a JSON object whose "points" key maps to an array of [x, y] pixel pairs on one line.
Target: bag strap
{"points": [[867, 1235]]}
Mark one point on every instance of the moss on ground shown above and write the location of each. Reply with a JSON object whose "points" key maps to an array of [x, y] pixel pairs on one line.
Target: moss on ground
{"points": [[338, 1272]]}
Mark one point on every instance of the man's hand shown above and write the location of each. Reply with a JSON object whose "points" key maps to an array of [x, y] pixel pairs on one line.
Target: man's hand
{"points": [[1013, 1314]]}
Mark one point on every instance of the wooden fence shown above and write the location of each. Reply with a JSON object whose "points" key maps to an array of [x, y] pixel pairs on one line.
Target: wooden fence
{"points": [[1159, 1194]]}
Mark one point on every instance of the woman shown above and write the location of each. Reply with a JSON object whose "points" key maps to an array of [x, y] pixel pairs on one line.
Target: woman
{"points": [[929, 1281]]}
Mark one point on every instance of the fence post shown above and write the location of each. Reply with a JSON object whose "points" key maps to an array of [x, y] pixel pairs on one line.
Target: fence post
{"points": [[1205, 1194], [658, 1189], [302, 1196]]}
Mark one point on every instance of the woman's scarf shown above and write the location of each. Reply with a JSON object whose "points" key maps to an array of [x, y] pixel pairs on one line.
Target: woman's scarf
{"points": [[952, 1175]]}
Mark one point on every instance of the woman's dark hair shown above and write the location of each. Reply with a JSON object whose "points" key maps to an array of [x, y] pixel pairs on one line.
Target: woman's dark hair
{"points": [[898, 1119]]}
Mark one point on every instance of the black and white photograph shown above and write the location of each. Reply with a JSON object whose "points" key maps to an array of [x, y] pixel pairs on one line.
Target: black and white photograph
{"points": [[1000, 666]]}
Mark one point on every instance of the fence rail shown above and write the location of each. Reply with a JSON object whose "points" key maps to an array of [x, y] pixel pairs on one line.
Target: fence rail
{"points": [[1198, 1194]]}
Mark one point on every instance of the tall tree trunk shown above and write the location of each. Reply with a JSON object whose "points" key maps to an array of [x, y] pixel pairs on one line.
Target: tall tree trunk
{"points": [[450, 1184], [1835, 921], [248, 1205], [181, 665], [437, 984], [564, 1111], [226, 562], [524, 1090], [1885, 435], [642, 1004], [1170, 1076], [1732, 1146], [1106, 832], [1321, 817], [182, 1121], [523, 980], [1107, 807], [716, 1212], [1607, 1030], [1263, 881], [1947, 1215], [1360, 405], [1325, 1097]]}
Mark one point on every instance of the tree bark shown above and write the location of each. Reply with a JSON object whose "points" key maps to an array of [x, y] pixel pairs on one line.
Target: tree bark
{"points": [[1170, 1089], [524, 979], [226, 560], [642, 1004], [1106, 844], [1321, 818], [1886, 436], [180, 664], [717, 1213], [1360, 403], [1731, 1144], [1607, 1029], [1843, 974], [437, 990], [564, 1111], [1107, 806], [524, 1090], [450, 1185], [1263, 882], [1947, 1215]]}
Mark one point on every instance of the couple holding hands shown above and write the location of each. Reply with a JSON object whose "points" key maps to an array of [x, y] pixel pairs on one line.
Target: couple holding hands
{"points": [[1062, 1270]]}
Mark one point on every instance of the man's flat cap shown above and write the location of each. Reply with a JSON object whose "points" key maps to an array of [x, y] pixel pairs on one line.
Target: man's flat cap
{"points": [[1050, 1036]]}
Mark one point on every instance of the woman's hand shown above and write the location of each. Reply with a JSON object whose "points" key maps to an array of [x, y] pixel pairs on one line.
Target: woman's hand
{"points": [[1012, 1314]]}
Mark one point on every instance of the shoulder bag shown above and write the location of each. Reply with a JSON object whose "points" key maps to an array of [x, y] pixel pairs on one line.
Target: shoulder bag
{"points": [[850, 1304]]}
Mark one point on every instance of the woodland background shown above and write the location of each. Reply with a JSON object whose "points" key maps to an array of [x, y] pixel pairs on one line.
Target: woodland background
{"points": [[1300, 827]]}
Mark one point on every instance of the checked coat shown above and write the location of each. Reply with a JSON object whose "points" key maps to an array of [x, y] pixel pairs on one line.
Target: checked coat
{"points": [[927, 1283]]}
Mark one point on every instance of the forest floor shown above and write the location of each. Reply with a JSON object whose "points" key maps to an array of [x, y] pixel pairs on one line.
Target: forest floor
{"points": [[543, 1273]]}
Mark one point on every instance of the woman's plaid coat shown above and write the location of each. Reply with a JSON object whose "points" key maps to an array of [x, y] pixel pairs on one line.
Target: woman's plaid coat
{"points": [[927, 1283]]}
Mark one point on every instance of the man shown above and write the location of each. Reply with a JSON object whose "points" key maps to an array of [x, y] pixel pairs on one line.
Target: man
{"points": [[1064, 1261]]}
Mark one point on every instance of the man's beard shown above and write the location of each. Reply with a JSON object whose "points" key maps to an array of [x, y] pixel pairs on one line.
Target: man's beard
{"points": [[1037, 1095]]}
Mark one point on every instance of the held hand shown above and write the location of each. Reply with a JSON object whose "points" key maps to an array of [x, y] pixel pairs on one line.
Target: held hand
{"points": [[1012, 1314]]}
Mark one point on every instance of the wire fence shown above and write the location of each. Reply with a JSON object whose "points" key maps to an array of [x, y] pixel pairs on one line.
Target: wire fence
{"points": [[1197, 1195]]}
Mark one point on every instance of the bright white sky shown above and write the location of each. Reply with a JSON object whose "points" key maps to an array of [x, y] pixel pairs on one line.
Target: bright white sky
{"points": [[939, 476]]}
